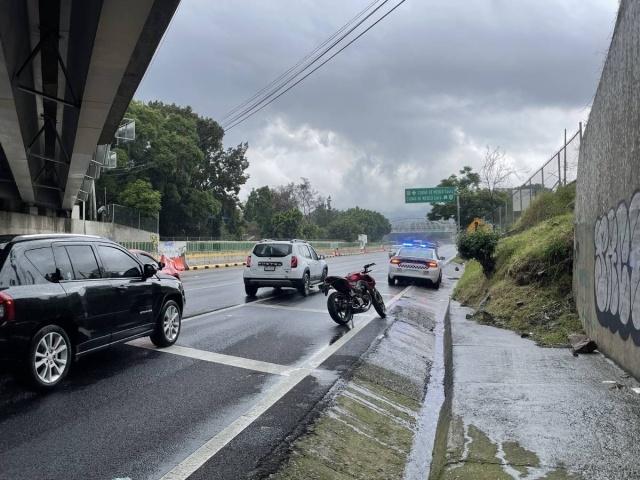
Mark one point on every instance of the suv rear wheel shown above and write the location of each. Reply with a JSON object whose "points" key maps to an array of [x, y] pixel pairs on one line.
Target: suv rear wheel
{"points": [[168, 325], [49, 357], [250, 290], [305, 284]]}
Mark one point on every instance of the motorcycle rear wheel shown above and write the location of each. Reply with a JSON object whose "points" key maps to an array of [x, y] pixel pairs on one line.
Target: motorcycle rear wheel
{"points": [[378, 303], [339, 315]]}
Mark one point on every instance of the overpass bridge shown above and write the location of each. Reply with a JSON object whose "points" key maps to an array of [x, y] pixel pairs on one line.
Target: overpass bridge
{"points": [[405, 229], [68, 70]]}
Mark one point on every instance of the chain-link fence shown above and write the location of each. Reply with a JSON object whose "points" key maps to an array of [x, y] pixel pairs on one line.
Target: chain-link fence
{"points": [[561, 169], [129, 217]]}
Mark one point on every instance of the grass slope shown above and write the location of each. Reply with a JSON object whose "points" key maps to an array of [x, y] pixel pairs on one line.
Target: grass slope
{"points": [[530, 290]]}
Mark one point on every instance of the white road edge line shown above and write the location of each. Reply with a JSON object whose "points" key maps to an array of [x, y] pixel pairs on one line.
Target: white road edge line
{"points": [[198, 458], [220, 358]]}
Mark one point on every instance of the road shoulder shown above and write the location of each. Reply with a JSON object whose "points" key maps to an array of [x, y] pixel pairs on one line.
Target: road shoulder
{"points": [[523, 411], [373, 424]]}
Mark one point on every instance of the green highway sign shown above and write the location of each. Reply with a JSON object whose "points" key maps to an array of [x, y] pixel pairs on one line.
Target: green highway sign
{"points": [[429, 195]]}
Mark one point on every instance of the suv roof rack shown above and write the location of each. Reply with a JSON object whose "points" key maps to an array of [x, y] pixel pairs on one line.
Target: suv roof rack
{"points": [[297, 240]]}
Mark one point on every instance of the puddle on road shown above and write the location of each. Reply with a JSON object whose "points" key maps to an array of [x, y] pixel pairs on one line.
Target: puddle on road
{"points": [[340, 332]]}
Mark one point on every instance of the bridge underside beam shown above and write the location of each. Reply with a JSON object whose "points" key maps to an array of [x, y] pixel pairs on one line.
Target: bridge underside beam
{"points": [[68, 70]]}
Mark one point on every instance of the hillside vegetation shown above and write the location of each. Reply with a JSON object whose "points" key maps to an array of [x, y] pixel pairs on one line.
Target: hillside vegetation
{"points": [[530, 289]]}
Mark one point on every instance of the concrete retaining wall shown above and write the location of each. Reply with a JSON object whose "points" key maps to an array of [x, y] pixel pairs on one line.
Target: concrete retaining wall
{"points": [[607, 245], [11, 222]]}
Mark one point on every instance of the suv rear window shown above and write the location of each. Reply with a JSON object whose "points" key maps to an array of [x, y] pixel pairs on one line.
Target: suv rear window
{"points": [[42, 260], [272, 250]]}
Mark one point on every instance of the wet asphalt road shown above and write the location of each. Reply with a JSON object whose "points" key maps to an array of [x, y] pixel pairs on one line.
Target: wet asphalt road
{"points": [[219, 405]]}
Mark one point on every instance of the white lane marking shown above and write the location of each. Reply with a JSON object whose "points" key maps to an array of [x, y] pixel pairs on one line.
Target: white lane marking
{"points": [[233, 361], [222, 310], [198, 458], [295, 309]]}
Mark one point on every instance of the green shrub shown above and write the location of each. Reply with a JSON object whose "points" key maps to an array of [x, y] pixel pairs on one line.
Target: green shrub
{"points": [[479, 246]]}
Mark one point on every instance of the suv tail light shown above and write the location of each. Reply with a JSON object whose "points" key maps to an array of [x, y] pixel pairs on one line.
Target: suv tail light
{"points": [[294, 261], [7, 308], [395, 261], [249, 261]]}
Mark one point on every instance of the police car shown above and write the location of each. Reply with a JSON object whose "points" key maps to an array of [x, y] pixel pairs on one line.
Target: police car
{"points": [[416, 261]]}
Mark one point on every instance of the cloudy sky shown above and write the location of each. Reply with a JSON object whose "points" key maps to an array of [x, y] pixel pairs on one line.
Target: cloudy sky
{"points": [[419, 96]]}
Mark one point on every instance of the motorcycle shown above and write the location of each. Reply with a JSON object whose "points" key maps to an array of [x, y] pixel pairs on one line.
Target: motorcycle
{"points": [[353, 294]]}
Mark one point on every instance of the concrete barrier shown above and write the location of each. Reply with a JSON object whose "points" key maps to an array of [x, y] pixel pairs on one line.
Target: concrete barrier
{"points": [[20, 223], [607, 243]]}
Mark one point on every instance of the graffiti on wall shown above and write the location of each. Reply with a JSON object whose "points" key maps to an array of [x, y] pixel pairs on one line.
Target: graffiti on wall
{"points": [[617, 269]]}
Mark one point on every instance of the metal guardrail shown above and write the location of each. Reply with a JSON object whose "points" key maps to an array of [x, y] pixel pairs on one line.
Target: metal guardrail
{"points": [[150, 247], [221, 252], [209, 252]]}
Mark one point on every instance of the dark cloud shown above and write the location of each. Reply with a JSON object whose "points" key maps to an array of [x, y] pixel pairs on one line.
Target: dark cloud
{"points": [[416, 98]]}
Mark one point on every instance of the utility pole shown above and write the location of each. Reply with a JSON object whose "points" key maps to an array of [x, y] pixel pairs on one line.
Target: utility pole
{"points": [[458, 204]]}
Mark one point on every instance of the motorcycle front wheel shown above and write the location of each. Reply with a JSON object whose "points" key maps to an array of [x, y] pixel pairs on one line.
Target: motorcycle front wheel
{"points": [[339, 308], [378, 303]]}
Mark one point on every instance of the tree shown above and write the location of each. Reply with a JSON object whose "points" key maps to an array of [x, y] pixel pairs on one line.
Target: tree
{"points": [[306, 196], [323, 214], [373, 224], [344, 228], [496, 170], [285, 197], [475, 202], [259, 208], [271, 211], [287, 224], [140, 195], [311, 231], [181, 154]]}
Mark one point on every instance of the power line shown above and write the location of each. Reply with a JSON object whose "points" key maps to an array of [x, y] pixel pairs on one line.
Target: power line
{"points": [[318, 58], [249, 115], [300, 62], [292, 77]]}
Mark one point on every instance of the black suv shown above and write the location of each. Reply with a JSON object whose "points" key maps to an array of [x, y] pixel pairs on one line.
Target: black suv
{"points": [[62, 296]]}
